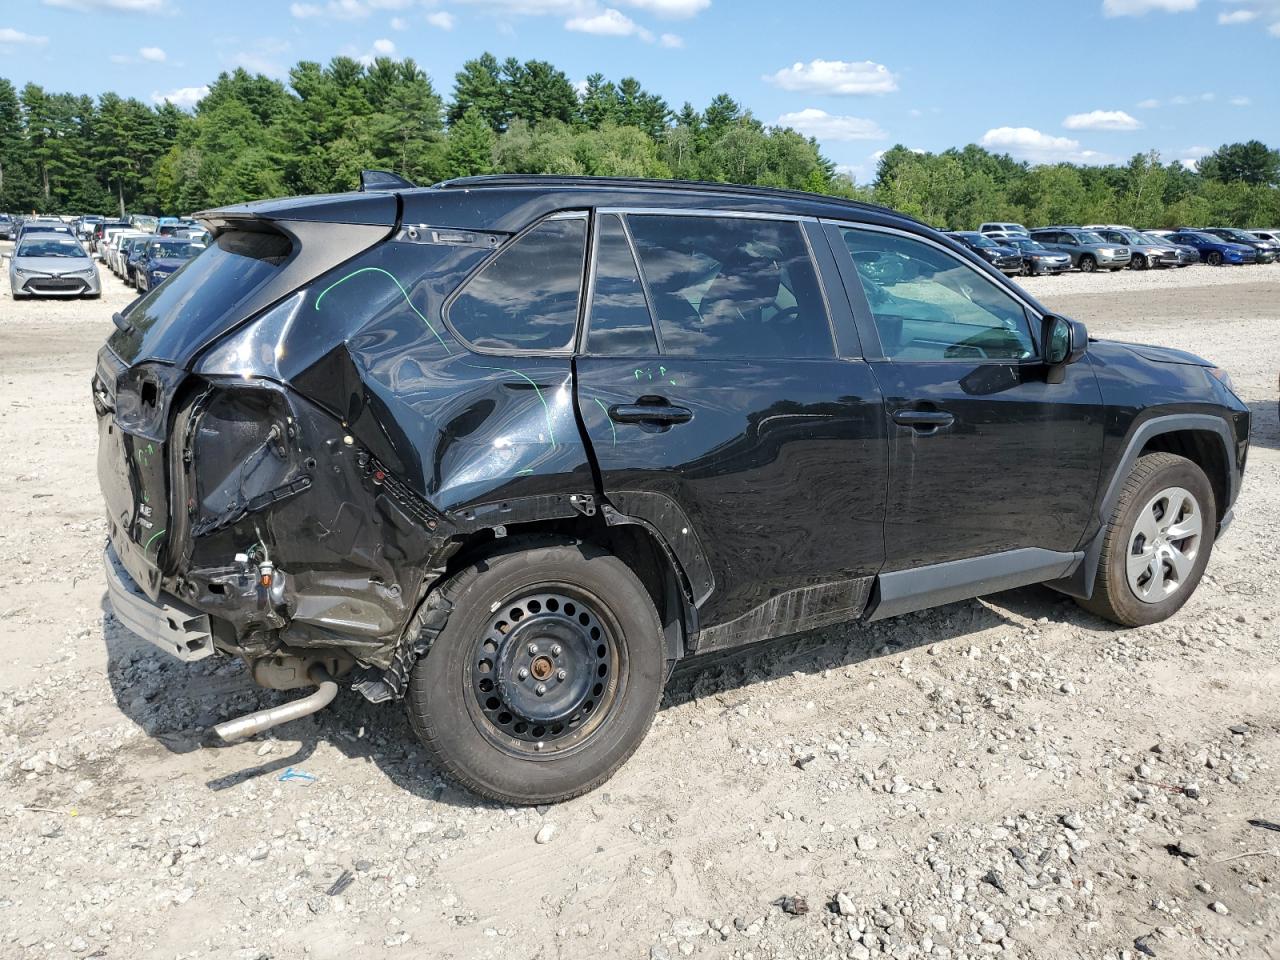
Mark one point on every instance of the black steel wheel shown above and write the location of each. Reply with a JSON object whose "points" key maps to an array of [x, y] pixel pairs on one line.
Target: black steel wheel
{"points": [[545, 677]]}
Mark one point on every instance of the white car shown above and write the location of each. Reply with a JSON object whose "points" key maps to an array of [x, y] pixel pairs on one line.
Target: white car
{"points": [[100, 248], [112, 257], [1005, 227]]}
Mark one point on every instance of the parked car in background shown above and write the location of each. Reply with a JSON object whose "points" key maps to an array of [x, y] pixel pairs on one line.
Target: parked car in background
{"points": [[102, 233], [1187, 255], [142, 221], [1003, 228], [155, 260], [85, 225], [125, 249], [1037, 259], [513, 472], [117, 250], [1088, 251], [52, 264], [1264, 249], [44, 225], [1144, 252], [1214, 250], [1005, 259], [1268, 234]]}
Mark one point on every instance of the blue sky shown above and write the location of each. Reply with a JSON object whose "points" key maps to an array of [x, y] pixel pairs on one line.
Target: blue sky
{"points": [[1089, 81]]}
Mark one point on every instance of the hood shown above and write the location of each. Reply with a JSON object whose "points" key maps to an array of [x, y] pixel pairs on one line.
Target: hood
{"points": [[53, 265], [167, 264], [1162, 354]]}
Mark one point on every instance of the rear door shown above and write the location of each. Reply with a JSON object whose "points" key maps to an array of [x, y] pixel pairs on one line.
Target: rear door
{"points": [[728, 406]]}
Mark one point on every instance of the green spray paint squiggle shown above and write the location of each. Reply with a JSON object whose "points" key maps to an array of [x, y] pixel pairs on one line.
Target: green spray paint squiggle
{"points": [[399, 286], [152, 540], [546, 410]]}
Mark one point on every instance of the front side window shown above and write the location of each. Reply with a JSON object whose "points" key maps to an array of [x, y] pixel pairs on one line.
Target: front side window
{"points": [[620, 321], [732, 287], [526, 298], [927, 305]]}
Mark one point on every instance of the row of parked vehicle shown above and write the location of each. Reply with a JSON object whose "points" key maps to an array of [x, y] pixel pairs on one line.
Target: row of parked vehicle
{"points": [[1017, 251], [54, 256]]}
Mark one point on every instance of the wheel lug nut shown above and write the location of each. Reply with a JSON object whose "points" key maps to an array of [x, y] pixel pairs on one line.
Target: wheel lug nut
{"points": [[555, 650], [533, 649], [522, 673], [561, 674], [540, 689]]}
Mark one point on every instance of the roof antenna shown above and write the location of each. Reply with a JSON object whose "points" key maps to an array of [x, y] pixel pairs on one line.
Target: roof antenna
{"points": [[374, 180]]}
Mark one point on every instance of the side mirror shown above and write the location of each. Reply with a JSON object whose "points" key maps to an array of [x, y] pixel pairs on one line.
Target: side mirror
{"points": [[1062, 342]]}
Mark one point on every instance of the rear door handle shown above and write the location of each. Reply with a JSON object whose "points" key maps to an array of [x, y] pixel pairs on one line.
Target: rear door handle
{"points": [[663, 413], [923, 419]]}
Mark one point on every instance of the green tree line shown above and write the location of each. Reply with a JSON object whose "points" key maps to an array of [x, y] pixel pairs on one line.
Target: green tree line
{"points": [[252, 136]]}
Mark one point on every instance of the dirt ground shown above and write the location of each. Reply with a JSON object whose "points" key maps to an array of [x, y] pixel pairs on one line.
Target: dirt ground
{"points": [[1005, 776]]}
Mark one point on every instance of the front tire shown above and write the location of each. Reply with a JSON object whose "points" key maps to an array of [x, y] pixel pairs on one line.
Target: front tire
{"points": [[1214, 258], [1157, 543], [1139, 262], [546, 676], [1088, 264]]}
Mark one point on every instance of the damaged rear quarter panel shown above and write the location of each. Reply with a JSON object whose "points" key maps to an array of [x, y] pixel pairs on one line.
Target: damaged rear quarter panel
{"points": [[377, 441]]}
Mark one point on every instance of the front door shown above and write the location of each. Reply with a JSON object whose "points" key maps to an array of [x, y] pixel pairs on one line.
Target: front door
{"points": [[720, 411], [985, 456]]}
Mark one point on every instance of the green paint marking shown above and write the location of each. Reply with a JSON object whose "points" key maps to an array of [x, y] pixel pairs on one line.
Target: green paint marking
{"points": [[638, 372], [551, 430], [403, 292], [152, 540], [663, 371], [673, 383], [526, 470], [609, 420]]}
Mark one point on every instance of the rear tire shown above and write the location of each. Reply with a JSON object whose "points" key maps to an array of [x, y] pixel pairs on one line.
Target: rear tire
{"points": [[1157, 543], [550, 610], [1088, 264]]}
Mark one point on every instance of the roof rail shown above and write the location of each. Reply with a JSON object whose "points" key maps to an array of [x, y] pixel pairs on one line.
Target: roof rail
{"points": [[649, 183]]}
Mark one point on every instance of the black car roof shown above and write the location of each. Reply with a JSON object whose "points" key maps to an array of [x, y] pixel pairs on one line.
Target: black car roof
{"points": [[509, 202]]}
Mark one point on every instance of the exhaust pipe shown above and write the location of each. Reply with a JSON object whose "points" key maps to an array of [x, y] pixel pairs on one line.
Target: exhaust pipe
{"points": [[238, 729]]}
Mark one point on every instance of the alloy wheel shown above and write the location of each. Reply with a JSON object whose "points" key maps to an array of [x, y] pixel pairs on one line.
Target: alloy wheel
{"points": [[1164, 545]]}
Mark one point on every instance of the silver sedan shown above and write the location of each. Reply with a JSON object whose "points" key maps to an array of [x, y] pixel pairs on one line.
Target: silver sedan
{"points": [[52, 265]]}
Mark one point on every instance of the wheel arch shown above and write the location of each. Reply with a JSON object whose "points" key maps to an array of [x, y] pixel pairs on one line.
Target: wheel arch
{"points": [[1202, 438]]}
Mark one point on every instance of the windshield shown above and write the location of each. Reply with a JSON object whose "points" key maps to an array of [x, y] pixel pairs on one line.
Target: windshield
{"points": [[1239, 235], [177, 250], [50, 247], [1202, 237], [1025, 243], [1088, 236], [978, 240], [1156, 238]]}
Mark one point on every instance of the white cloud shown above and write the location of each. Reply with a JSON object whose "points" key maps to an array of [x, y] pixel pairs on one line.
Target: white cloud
{"points": [[1026, 143], [399, 23], [608, 23], [1240, 101], [672, 41], [1182, 99], [384, 47], [1251, 11], [184, 97], [1237, 16], [111, 6], [442, 20], [1102, 120], [673, 9], [1150, 104], [345, 9], [10, 37], [813, 122], [1191, 157], [1138, 8], [152, 54], [835, 77]]}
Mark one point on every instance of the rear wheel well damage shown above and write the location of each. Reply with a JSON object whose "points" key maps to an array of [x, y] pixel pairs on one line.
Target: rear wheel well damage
{"points": [[633, 544]]}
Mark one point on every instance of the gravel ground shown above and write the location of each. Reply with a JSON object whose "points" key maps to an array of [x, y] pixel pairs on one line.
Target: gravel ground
{"points": [[1005, 776]]}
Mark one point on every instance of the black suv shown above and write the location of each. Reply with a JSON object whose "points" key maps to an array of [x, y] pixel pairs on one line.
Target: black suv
{"points": [[510, 447]]}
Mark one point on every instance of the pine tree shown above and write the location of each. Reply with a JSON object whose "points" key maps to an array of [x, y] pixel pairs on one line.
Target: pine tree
{"points": [[471, 144]]}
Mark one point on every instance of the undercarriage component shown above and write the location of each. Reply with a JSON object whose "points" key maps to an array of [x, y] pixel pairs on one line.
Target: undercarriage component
{"points": [[254, 723], [291, 670]]}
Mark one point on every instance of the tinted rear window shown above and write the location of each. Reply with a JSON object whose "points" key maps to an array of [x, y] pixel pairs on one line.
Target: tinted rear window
{"points": [[189, 305]]}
